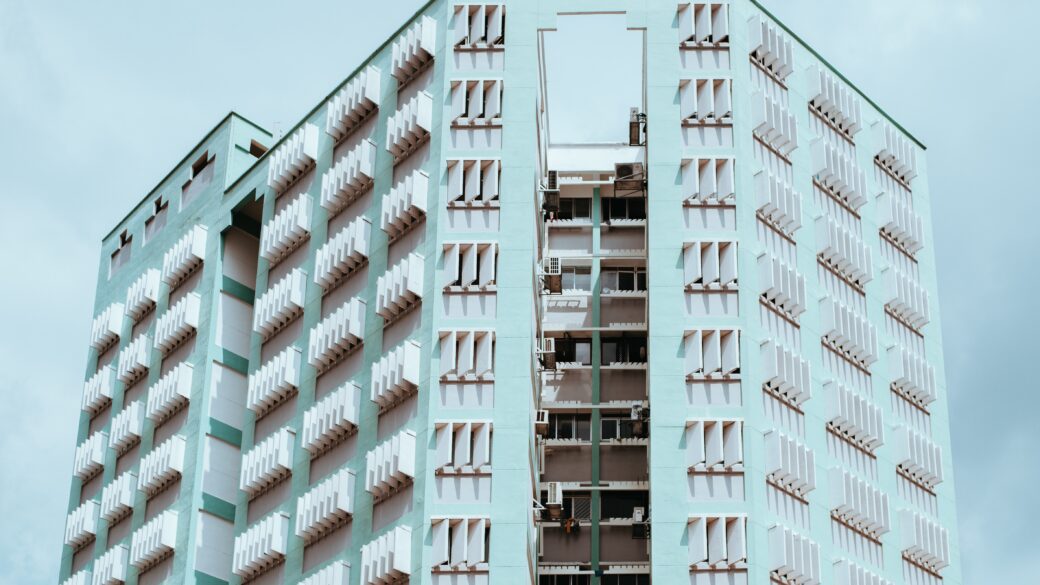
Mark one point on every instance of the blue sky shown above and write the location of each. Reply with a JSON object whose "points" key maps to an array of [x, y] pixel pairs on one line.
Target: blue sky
{"points": [[99, 99]]}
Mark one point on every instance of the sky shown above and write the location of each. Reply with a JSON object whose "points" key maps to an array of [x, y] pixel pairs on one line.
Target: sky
{"points": [[99, 99]]}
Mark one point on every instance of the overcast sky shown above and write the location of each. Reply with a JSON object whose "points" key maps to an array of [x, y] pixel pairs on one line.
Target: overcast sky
{"points": [[99, 99]]}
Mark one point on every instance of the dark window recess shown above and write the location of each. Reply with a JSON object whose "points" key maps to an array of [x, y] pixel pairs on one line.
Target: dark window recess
{"points": [[157, 221], [577, 278], [122, 254], [202, 162], [620, 504], [622, 427], [631, 279], [623, 208], [566, 579], [624, 349], [570, 426], [256, 149], [574, 350], [575, 208], [624, 579]]}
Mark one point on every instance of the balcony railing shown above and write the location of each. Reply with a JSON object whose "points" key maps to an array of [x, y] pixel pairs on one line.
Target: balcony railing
{"points": [[853, 417], [184, 257], [858, 504], [97, 391], [336, 573], [171, 393], [90, 456], [353, 104], [326, 506], [401, 287], [268, 463], [275, 381], [410, 126], [178, 323], [293, 158], [289, 228], [134, 360], [107, 327], [343, 253], [793, 558], [110, 567], [414, 50], [127, 427], [262, 546], [281, 304], [117, 499], [143, 294], [391, 465], [337, 335], [331, 419], [388, 558], [349, 178], [405, 205], [396, 375], [925, 543], [81, 526], [847, 332], [833, 100], [162, 466], [154, 541], [895, 151]]}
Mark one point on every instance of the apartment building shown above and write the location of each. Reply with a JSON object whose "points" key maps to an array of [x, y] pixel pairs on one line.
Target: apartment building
{"points": [[419, 339]]}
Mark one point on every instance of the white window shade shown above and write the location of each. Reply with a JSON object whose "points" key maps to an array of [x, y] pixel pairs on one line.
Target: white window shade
{"points": [[707, 181], [117, 499], [294, 157], [712, 353], [479, 26], [387, 558], [178, 323], [134, 360], [268, 463], [390, 465], [413, 50], [281, 304], [703, 23], [111, 567], [262, 546], [773, 123], [143, 294], [401, 287], [476, 102], [900, 222], [848, 332], [337, 573], [770, 46], [90, 456], [843, 251], [331, 419], [924, 542], [839, 173], [782, 285], [97, 391], [162, 466], [81, 525], [911, 375], [350, 178], [467, 355], [396, 375], [789, 464], [406, 204], [460, 544], [710, 265], [706, 101], [343, 253], [717, 542], [154, 541], [287, 230], [895, 151], [337, 335], [907, 299], [275, 382], [847, 572], [786, 373], [853, 417], [858, 504], [127, 427], [410, 126], [353, 104], [793, 557], [917, 457], [714, 445], [473, 180], [171, 393], [185, 257], [470, 265], [463, 447], [106, 327], [83, 577], [834, 100], [326, 506], [778, 202]]}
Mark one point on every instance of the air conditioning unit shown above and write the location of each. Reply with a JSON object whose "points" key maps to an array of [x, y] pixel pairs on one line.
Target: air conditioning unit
{"points": [[541, 422], [552, 271], [638, 514], [547, 354], [553, 181], [629, 178], [554, 501]]}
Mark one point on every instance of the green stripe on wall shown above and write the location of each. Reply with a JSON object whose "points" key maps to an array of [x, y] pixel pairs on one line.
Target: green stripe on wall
{"points": [[235, 362], [204, 579], [238, 290], [218, 507], [225, 432]]}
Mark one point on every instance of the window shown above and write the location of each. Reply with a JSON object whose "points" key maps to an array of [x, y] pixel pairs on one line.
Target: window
{"points": [[460, 544], [708, 180], [476, 102], [256, 149], [122, 254], [623, 208], [621, 427], [706, 100], [717, 541], [480, 25], [621, 504], [625, 579], [709, 265], [712, 352], [703, 23], [770, 47], [203, 161], [624, 350], [575, 505], [577, 278], [575, 208], [565, 579], [468, 354], [157, 221], [470, 264], [570, 426], [463, 447], [714, 445], [574, 351], [626, 279], [473, 180]]}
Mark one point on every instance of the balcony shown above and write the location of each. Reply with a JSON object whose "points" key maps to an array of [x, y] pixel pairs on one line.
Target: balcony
{"points": [[293, 158], [127, 427], [773, 124], [853, 417], [395, 376], [843, 252], [134, 360], [350, 178], [777, 202], [848, 333], [97, 391], [405, 206], [185, 257], [401, 288], [907, 299], [839, 174], [770, 47], [460, 545], [925, 543], [912, 376], [170, 394], [154, 542], [387, 558], [331, 420], [896, 153], [81, 526], [275, 382], [287, 230], [143, 294], [117, 499], [793, 558], [178, 323], [390, 466], [717, 543], [107, 327], [789, 465], [900, 223], [337, 335], [858, 505], [343, 254], [917, 458], [90, 456], [262, 546], [162, 466], [353, 104], [268, 463], [326, 507], [834, 101], [409, 127], [413, 50], [110, 568], [783, 287], [281, 304], [336, 573]]}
